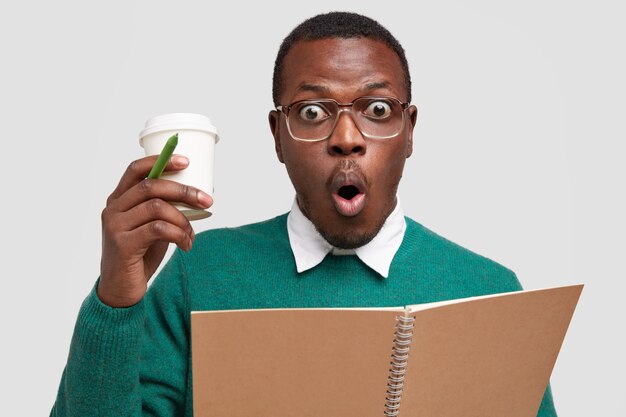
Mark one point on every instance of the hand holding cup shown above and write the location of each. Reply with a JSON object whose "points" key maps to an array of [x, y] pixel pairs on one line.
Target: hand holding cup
{"points": [[139, 222]]}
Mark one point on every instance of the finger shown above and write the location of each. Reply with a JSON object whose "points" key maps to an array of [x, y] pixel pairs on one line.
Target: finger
{"points": [[166, 190], [154, 209], [141, 238], [139, 169]]}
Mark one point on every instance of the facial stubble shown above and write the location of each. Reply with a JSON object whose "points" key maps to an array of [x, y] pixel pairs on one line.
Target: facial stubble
{"points": [[349, 237]]}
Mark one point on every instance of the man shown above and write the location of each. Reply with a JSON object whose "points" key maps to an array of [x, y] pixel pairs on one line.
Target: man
{"points": [[343, 127]]}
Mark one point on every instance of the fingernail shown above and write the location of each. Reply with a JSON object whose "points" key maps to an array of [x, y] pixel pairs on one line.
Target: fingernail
{"points": [[180, 160], [204, 199]]}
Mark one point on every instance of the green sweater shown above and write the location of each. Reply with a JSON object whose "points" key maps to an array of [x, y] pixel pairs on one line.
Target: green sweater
{"points": [[136, 361]]}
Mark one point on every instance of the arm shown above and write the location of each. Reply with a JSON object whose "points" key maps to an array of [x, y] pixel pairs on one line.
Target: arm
{"points": [[130, 361], [105, 346], [129, 350], [166, 349]]}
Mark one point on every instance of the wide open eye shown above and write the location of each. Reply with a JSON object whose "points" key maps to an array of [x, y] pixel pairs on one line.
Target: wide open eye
{"points": [[312, 113], [378, 109]]}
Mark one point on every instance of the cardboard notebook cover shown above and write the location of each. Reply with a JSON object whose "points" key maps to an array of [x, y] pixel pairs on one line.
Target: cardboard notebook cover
{"points": [[475, 357]]}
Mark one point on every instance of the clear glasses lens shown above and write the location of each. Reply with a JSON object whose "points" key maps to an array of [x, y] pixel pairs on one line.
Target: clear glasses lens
{"points": [[312, 120], [375, 117]]}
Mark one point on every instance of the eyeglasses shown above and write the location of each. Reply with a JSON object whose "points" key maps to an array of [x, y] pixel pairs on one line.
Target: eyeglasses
{"points": [[315, 120]]}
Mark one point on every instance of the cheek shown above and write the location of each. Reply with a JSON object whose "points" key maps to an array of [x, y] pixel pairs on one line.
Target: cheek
{"points": [[305, 165], [388, 165]]}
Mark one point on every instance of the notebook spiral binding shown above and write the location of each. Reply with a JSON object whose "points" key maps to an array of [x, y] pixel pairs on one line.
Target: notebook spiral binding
{"points": [[399, 360]]}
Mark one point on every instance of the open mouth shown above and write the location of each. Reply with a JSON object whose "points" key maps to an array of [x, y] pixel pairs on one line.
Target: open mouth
{"points": [[348, 193]]}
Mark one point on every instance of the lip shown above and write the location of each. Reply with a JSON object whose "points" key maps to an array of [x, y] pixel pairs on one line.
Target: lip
{"points": [[355, 205]]}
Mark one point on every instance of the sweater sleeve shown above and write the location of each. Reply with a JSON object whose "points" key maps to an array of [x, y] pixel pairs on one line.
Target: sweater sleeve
{"points": [[129, 362]]}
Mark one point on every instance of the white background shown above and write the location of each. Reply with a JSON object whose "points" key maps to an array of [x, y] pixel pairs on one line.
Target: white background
{"points": [[518, 153]]}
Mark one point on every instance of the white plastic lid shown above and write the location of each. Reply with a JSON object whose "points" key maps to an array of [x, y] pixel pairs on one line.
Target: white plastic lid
{"points": [[175, 121]]}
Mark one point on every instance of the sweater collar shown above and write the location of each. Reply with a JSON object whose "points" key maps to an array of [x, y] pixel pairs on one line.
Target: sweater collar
{"points": [[310, 248]]}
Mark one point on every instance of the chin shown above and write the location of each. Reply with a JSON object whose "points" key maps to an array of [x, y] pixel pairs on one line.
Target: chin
{"points": [[350, 232], [348, 239], [345, 232]]}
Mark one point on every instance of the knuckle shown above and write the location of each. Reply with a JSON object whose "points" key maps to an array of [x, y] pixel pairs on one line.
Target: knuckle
{"points": [[108, 225], [118, 240], [156, 206], [105, 214], [146, 185], [186, 192], [108, 221], [158, 227], [132, 167]]}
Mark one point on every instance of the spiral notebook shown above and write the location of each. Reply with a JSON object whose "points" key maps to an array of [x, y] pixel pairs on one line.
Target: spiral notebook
{"points": [[475, 357]]}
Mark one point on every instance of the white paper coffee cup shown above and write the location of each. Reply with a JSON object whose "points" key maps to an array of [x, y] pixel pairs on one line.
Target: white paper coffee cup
{"points": [[196, 140]]}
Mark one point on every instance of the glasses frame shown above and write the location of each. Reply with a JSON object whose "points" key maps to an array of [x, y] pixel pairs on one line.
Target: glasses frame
{"points": [[342, 108]]}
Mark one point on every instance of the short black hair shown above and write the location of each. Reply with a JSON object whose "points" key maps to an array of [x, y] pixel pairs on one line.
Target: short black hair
{"points": [[337, 25]]}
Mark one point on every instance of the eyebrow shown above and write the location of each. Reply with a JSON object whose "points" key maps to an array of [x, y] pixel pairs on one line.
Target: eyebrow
{"points": [[376, 86], [322, 89], [316, 88]]}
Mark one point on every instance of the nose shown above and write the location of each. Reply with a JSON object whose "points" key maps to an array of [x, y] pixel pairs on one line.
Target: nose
{"points": [[346, 138]]}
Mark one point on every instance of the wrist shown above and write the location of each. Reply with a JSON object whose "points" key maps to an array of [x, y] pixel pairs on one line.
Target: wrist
{"points": [[111, 299]]}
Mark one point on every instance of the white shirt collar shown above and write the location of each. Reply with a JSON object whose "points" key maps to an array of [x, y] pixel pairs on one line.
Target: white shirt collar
{"points": [[310, 248]]}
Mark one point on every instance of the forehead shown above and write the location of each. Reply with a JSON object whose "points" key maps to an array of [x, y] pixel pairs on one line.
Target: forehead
{"points": [[343, 69]]}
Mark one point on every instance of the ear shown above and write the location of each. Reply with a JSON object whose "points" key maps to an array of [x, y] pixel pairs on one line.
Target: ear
{"points": [[274, 119], [412, 122]]}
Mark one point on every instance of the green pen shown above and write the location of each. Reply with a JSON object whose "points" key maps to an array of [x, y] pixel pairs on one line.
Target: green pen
{"points": [[164, 157]]}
